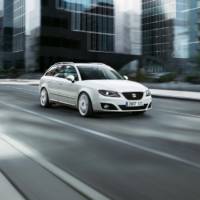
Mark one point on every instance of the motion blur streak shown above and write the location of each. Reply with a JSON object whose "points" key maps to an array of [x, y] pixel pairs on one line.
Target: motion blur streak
{"points": [[121, 156], [150, 150], [75, 183]]}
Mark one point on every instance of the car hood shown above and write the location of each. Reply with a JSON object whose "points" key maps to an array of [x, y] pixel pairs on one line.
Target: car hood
{"points": [[114, 85]]}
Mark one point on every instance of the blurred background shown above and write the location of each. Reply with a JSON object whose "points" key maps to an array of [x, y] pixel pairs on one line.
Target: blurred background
{"points": [[153, 41], [54, 153]]}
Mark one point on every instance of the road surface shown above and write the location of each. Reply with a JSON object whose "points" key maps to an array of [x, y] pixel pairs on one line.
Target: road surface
{"points": [[118, 156]]}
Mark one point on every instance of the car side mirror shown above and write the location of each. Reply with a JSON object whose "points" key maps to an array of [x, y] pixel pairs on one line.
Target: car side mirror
{"points": [[71, 78], [125, 77]]}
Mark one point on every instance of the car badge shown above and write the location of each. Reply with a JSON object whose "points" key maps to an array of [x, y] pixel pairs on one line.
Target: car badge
{"points": [[134, 95]]}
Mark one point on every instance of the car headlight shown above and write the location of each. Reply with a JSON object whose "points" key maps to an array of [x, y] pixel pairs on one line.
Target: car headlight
{"points": [[148, 93], [108, 93]]}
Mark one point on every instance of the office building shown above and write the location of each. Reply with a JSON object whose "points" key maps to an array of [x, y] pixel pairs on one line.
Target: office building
{"points": [[170, 34], [38, 33], [1, 35]]}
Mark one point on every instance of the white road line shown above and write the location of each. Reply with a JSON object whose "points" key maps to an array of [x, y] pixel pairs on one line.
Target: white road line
{"points": [[79, 186], [24, 82], [105, 136]]}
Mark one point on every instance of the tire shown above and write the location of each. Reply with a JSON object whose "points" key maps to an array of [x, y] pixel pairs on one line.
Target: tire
{"points": [[44, 99], [85, 105]]}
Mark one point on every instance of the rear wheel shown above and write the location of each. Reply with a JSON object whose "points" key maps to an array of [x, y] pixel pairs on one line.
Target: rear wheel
{"points": [[44, 98], [85, 105]]}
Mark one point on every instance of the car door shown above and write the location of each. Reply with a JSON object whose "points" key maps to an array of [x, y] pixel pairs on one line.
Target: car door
{"points": [[51, 82], [68, 89], [57, 84]]}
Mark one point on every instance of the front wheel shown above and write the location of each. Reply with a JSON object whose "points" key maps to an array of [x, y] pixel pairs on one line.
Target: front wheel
{"points": [[85, 105], [44, 98]]}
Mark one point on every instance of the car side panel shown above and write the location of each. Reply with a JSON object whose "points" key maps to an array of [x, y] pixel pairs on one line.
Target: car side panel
{"points": [[93, 97], [49, 84], [69, 92]]}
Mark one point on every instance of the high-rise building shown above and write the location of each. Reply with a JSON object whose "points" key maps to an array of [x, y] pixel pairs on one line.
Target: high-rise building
{"points": [[128, 29], [7, 33], [38, 33], [1, 34], [128, 26], [170, 34]]}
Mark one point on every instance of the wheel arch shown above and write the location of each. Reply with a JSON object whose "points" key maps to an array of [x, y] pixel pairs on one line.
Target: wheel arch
{"points": [[88, 92], [46, 88], [43, 87]]}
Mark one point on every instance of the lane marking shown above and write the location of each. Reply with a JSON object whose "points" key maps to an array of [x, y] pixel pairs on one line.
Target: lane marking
{"points": [[105, 136], [76, 184], [10, 82]]}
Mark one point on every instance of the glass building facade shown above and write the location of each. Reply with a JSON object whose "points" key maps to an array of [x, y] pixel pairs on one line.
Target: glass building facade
{"points": [[94, 17], [1, 32], [170, 34], [38, 33], [128, 27], [18, 25]]}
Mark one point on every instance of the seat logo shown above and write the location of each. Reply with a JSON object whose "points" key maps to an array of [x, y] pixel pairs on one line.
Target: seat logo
{"points": [[134, 95]]}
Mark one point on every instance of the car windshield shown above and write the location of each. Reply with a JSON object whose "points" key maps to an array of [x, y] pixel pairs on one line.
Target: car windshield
{"points": [[98, 73]]}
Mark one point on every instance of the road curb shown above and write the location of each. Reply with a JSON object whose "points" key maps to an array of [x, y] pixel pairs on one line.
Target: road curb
{"points": [[36, 83], [175, 98], [176, 94]]}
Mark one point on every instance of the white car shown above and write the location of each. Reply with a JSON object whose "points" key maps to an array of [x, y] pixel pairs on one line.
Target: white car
{"points": [[92, 87]]}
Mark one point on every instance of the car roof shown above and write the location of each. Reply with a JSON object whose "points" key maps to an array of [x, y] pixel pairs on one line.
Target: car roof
{"points": [[92, 65], [63, 63], [77, 64], [86, 64], [82, 64]]}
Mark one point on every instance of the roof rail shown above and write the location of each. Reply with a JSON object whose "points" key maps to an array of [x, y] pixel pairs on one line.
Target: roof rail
{"points": [[96, 63], [64, 63]]}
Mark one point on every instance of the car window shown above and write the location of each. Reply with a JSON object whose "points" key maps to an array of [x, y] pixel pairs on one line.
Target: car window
{"points": [[98, 73], [51, 71], [64, 71]]}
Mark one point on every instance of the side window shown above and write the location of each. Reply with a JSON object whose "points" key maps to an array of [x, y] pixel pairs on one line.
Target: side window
{"points": [[70, 70], [64, 71], [59, 72], [51, 71]]}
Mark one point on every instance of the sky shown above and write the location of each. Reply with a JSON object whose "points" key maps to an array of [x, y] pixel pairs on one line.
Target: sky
{"points": [[134, 5]]}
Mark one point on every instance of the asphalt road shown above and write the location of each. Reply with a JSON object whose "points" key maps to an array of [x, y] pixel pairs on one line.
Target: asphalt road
{"points": [[121, 156]]}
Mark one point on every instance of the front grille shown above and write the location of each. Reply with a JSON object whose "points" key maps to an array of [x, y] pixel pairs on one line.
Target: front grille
{"points": [[133, 95], [134, 108]]}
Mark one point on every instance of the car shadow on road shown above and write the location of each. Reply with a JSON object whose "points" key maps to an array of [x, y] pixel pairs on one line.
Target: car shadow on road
{"points": [[101, 115], [121, 115]]}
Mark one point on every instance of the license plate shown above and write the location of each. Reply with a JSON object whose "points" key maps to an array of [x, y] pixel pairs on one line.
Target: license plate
{"points": [[134, 103]]}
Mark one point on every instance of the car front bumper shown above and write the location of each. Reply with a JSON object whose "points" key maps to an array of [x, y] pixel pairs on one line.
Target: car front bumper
{"points": [[110, 104]]}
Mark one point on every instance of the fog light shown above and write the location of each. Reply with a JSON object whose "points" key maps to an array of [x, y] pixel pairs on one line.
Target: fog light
{"points": [[150, 105], [106, 106]]}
